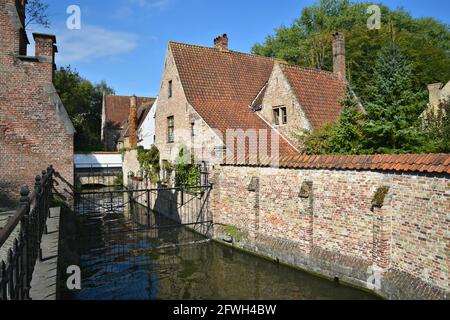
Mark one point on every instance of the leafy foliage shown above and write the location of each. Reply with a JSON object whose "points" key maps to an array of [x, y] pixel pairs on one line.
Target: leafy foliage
{"points": [[187, 172], [149, 162], [317, 141], [438, 128], [392, 122], [307, 42], [83, 102]]}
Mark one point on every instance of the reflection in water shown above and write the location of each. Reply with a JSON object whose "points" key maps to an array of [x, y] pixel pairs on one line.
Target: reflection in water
{"points": [[122, 260]]}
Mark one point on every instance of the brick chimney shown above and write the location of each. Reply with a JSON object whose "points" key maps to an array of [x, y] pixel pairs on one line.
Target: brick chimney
{"points": [[45, 49], [132, 129], [221, 42], [339, 66]]}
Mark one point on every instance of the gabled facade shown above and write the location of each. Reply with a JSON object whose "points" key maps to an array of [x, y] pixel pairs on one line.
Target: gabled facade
{"points": [[215, 101], [115, 116], [35, 129]]}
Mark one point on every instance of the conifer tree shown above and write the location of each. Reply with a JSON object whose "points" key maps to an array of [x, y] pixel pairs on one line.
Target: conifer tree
{"points": [[393, 108]]}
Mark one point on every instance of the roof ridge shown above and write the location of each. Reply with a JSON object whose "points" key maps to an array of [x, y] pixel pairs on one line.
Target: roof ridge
{"points": [[308, 69], [215, 49], [124, 96]]}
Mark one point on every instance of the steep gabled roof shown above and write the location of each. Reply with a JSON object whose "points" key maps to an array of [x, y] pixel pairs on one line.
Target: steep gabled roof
{"points": [[118, 108], [318, 92], [222, 84]]}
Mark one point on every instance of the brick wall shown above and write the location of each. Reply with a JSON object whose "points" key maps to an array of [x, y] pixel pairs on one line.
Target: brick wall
{"points": [[323, 220], [34, 127]]}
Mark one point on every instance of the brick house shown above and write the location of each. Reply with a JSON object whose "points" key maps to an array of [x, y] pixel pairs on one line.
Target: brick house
{"points": [[35, 129], [116, 112], [208, 94]]}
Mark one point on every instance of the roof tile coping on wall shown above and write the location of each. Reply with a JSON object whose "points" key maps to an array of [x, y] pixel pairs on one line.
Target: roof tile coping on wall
{"points": [[428, 163]]}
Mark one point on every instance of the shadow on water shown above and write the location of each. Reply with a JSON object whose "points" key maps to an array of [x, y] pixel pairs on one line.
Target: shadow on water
{"points": [[121, 259]]}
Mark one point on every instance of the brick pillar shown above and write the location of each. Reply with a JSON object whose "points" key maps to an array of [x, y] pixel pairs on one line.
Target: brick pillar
{"points": [[382, 228], [254, 187], [381, 237], [307, 200], [132, 131]]}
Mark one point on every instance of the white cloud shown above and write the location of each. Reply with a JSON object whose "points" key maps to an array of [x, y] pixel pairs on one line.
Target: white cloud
{"points": [[91, 43]]}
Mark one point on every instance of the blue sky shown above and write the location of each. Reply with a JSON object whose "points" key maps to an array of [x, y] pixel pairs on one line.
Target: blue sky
{"points": [[124, 41]]}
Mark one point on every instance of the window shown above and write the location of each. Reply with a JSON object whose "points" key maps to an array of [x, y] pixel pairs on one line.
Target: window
{"points": [[193, 129], [283, 115], [170, 89], [279, 116], [170, 129], [276, 116]]}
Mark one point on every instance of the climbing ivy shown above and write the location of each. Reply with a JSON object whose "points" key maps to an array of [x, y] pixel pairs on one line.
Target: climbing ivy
{"points": [[149, 163], [187, 172]]}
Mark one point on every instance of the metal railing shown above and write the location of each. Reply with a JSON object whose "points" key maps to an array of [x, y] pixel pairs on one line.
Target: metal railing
{"points": [[30, 222]]}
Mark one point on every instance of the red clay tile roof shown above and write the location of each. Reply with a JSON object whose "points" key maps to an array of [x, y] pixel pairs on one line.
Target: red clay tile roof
{"points": [[221, 85], [118, 108], [319, 93], [428, 163]]}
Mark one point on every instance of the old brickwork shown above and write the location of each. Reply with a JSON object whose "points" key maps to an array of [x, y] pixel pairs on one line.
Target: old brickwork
{"points": [[324, 221], [35, 130]]}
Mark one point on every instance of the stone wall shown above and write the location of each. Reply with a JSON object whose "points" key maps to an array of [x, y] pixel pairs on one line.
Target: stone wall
{"points": [[205, 140], [35, 130], [327, 221], [279, 93]]}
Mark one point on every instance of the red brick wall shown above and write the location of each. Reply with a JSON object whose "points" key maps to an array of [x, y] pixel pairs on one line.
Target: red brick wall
{"points": [[336, 231], [33, 134]]}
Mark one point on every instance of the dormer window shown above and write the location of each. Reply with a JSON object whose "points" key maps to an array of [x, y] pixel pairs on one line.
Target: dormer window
{"points": [[280, 116]]}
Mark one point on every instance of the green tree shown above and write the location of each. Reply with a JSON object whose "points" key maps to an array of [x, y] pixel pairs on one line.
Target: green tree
{"points": [[438, 128], [149, 162], [317, 141], [344, 137], [306, 42], [392, 121], [83, 102], [348, 135]]}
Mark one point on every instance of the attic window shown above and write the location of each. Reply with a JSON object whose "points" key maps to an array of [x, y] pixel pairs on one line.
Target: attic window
{"points": [[171, 129], [170, 89], [279, 116], [193, 133]]}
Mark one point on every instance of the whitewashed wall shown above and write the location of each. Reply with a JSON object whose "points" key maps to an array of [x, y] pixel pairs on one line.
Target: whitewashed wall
{"points": [[147, 131]]}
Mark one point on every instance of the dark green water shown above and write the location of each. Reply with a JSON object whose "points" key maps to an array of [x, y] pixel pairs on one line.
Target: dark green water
{"points": [[120, 261]]}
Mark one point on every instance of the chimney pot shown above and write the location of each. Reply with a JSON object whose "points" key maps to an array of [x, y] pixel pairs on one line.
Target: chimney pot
{"points": [[339, 64], [221, 42]]}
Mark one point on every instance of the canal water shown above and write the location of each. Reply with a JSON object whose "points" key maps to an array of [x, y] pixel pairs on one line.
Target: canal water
{"points": [[122, 260]]}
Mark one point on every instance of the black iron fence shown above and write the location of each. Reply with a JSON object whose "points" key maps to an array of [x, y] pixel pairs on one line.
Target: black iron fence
{"points": [[184, 206], [20, 238]]}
